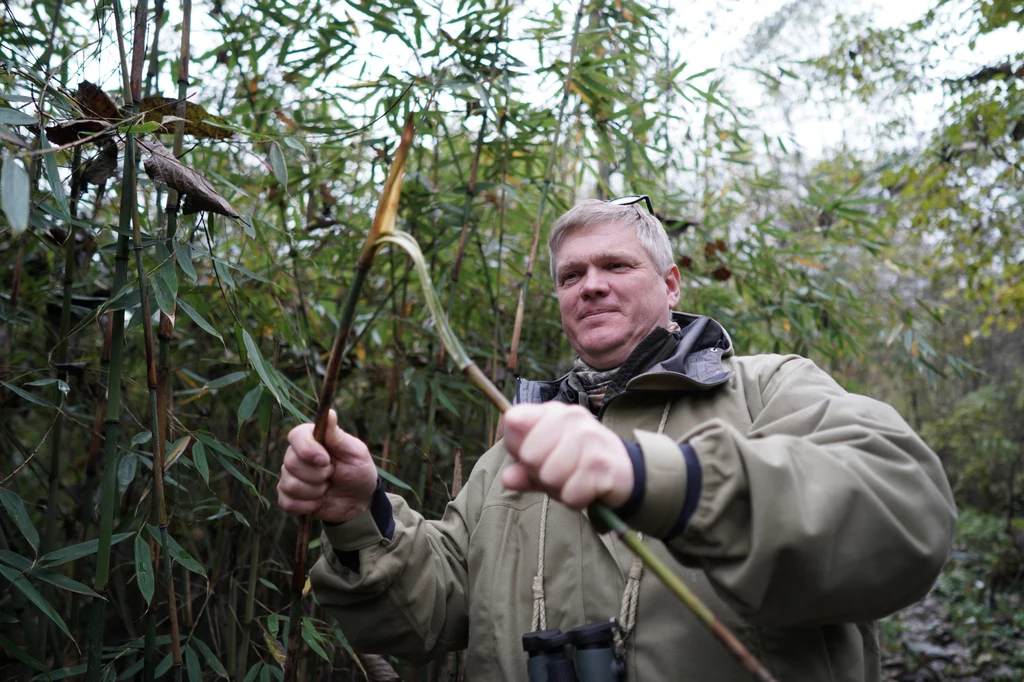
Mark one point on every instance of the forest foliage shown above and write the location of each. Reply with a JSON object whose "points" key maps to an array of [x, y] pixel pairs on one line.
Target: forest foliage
{"points": [[185, 191]]}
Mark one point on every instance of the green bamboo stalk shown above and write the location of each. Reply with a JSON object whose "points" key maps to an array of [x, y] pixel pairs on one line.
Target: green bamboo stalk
{"points": [[517, 329], [56, 441], [498, 399], [112, 419]]}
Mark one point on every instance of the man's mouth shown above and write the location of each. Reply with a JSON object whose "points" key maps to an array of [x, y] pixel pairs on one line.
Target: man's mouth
{"points": [[595, 313]]}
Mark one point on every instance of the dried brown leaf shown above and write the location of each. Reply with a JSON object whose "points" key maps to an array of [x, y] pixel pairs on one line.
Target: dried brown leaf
{"points": [[95, 103], [200, 195], [197, 119], [99, 168], [68, 132]]}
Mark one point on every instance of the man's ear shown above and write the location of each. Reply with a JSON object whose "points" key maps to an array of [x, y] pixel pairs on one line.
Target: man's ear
{"points": [[672, 280]]}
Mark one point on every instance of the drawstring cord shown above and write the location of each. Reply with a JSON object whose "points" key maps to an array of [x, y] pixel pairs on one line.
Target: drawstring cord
{"points": [[630, 596]]}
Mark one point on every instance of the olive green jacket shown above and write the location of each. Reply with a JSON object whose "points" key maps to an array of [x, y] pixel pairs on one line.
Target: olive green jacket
{"points": [[820, 511]]}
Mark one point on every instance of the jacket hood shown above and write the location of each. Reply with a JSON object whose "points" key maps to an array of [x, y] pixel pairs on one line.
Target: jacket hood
{"points": [[694, 365]]}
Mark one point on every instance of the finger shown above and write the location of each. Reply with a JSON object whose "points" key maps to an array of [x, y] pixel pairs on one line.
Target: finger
{"points": [[298, 489], [561, 462], [341, 445], [558, 424], [299, 468], [519, 419], [305, 446], [516, 477], [298, 507], [579, 491]]}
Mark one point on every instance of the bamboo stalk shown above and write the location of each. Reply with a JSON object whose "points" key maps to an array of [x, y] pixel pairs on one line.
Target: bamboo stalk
{"points": [[498, 399], [517, 328], [112, 419], [383, 223]]}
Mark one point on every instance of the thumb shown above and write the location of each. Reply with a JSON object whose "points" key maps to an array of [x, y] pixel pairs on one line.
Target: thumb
{"points": [[340, 445], [519, 420]]}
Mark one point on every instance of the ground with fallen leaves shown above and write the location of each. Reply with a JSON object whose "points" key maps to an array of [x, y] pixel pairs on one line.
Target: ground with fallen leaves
{"points": [[956, 632]]}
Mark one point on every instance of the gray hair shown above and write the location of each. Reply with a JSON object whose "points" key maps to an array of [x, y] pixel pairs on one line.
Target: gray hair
{"points": [[592, 212]]}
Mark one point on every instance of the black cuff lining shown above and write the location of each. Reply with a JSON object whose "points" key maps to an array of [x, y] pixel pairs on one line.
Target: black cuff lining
{"points": [[694, 483], [636, 496], [383, 517]]}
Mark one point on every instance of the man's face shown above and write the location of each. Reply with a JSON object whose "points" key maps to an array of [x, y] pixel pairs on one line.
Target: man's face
{"points": [[610, 293]]}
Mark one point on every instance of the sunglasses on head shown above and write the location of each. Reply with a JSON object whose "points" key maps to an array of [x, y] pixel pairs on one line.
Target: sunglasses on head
{"points": [[632, 199]]}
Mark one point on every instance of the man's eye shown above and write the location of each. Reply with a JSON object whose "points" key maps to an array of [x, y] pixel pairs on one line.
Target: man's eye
{"points": [[568, 278], [616, 266]]}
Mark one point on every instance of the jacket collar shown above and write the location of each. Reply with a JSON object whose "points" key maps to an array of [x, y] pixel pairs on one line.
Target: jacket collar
{"points": [[695, 364]]}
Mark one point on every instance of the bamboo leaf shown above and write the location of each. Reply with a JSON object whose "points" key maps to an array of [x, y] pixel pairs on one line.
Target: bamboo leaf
{"points": [[29, 397], [257, 362], [199, 320], [200, 195], [16, 651], [249, 403], [139, 128], [61, 674], [313, 639], [16, 508], [53, 177], [13, 117], [32, 594], [28, 567], [82, 549], [144, 569], [197, 119], [14, 194], [195, 673], [277, 163], [199, 459], [62, 385], [183, 254], [211, 658], [176, 551]]}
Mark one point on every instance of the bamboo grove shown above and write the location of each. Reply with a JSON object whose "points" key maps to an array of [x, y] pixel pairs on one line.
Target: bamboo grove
{"points": [[186, 191]]}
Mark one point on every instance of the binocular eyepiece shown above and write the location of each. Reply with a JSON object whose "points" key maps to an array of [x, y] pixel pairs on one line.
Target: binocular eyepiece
{"points": [[591, 659]]}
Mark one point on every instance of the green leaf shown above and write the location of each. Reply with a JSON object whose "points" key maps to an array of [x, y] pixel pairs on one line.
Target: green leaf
{"points": [[176, 551], [277, 163], [144, 569], [14, 194], [198, 319], [32, 594], [195, 673], [249, 403], [254, 671], [163, 667], [139, 128], [393, 480], [16, 651], [28, 567], [126, 469], [211, 659], [62, 673], [227, 380], [199, 459], [16, 508], [224, 273], [165, 281], [53, 177], [64, 388], [29, 397], [142, 437], [183, 254], [313, 639], [269, 585], [82, 549], [257, 362], [13, 117]]}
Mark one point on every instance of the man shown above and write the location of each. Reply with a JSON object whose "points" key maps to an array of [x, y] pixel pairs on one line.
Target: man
{"points": [[798, 512]]}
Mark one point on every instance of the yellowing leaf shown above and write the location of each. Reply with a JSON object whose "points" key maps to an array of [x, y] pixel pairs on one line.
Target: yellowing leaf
{"points": [[307, 587], [276, 650], [809, 263], [197, 119]]}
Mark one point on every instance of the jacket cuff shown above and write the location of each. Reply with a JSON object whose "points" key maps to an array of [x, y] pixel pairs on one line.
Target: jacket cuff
{"points": [[636, 496], [367, 529], [672, 485]]}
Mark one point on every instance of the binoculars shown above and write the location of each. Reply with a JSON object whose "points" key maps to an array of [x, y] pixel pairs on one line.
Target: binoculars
{"points": [[583, 654]]}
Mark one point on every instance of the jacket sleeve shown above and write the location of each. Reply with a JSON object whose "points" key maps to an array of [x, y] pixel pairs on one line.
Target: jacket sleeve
{"points": [[830, 509], [409, 597]]}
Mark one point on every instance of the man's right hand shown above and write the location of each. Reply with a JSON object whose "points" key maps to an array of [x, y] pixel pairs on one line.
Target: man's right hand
{"points": [[333, 484]]}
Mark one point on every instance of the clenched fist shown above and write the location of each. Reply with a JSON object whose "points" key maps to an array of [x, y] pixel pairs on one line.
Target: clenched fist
{"points": [[333, 483], [564, 451]]}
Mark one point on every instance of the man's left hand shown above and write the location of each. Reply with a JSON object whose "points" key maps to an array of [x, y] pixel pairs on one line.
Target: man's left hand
{"points": [[564, 451]]}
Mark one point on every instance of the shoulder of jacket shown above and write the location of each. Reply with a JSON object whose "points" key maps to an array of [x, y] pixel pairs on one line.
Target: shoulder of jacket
{"points": [[771, 368]]}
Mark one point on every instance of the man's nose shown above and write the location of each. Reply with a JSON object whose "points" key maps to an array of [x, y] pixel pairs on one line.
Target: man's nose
{"points": [[594, 284]]}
